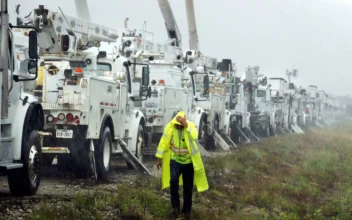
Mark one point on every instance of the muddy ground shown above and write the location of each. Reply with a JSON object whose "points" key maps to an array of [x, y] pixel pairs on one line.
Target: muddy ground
{"points": [[56, 186]]}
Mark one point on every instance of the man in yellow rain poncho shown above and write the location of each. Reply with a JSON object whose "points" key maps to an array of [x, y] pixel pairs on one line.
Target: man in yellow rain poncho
{"points": [[178, 155]]}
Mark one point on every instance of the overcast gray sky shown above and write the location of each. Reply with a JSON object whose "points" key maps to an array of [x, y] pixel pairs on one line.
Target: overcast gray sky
{"points": [[313, 36]]}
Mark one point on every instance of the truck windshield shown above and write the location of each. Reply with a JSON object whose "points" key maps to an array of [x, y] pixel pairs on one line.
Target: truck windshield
{"points": [[197, 81], [261, 93]]}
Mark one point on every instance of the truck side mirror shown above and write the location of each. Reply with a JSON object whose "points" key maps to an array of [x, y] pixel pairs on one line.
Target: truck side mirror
{"points": [[206, 85], [145, 88], [145, 76], [33, 45]]}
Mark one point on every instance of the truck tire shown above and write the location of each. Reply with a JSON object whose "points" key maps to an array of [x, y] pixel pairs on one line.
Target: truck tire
{"points": [[216, 124], [139, 147], [267, 132], [235, 135], [103, 154], [79, 161], [202, 129], [25, 181]]}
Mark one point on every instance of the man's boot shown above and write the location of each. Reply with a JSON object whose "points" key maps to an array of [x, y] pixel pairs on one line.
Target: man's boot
{"points": [[175, 211], [187, 216]]}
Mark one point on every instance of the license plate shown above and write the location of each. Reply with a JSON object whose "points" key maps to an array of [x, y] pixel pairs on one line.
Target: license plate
{"points": [[62, 133]]}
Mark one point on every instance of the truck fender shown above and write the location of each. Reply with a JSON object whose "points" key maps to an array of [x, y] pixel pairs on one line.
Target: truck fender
{"points": [[138, 118], [294, 118], [107, 121], [246, 120], [272, 118], [227, 123], [196, 116], [23, 113]]}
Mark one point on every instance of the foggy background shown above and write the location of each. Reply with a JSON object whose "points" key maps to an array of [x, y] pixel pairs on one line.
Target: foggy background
{"points": [[313, 36]]}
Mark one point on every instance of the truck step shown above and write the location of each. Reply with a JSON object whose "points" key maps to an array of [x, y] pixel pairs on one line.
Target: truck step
{"points": [[252, 135], [202, 150], [228, 140], [6, 139], [55, 150], [297, 129], [281, 130], [288, 130], [318, 124], [10, 166], [128, 155], [220, 141], [239, 130]]}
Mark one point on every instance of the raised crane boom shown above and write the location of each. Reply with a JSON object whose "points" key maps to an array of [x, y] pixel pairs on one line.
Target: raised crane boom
{"points": [[170, 22], [192, 27], [82, 9], [61, 34]]}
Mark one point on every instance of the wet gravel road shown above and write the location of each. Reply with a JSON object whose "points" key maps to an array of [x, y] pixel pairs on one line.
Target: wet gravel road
{"points": [[56, 185]]}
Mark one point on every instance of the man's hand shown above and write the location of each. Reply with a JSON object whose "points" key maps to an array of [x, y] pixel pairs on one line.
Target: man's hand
{"points": [[158, 163], [182, 120]]}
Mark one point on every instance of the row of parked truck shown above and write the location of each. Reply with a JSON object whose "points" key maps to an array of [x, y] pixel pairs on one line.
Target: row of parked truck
{"points": [[64, 100]]}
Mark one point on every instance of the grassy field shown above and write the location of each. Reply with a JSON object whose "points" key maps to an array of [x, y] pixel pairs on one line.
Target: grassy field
{"points": [[305, 176]]}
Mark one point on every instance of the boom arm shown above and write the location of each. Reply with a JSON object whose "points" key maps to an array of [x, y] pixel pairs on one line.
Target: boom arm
{"points": [[82, 9], [192, 27], [59, 33], [170, 22]]}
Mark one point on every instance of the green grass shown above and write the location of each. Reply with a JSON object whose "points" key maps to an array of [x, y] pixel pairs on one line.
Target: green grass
{"points": [[305, 176]]}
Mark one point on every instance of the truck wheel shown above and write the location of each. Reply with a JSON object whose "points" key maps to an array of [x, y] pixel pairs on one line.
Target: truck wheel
{"points": [[79, 161], [103, 154], [140, 143], [139, 146], [25, 181], [267, 132], [216, 124], [202, 129]]}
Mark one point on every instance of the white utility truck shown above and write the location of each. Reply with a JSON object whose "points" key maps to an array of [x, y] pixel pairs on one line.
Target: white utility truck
{"points": [[21, 114], [258, 103], [209, 111], [278, 100], [293, 98], [168, 92], [88, 98]]}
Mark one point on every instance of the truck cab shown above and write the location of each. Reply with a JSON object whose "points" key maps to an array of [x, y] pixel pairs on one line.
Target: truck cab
{"points": [[22, 117]]}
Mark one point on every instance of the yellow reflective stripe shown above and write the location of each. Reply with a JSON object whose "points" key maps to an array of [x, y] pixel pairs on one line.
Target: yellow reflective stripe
{"points": [[164, 135], [179, 154], [194, 151], [182, 150], [159, 152]]}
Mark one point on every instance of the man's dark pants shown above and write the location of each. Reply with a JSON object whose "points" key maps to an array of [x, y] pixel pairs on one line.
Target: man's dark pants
{"points": [[187, 172]]}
